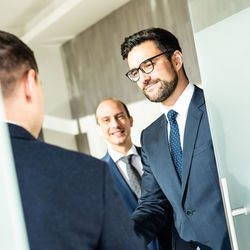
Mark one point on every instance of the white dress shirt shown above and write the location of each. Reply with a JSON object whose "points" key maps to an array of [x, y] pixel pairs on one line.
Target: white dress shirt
{"points": [[11, 122], [181, 107], [136, 161]]}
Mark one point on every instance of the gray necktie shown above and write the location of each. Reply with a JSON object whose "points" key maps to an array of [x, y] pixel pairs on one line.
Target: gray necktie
{"points": [[134, 178]]}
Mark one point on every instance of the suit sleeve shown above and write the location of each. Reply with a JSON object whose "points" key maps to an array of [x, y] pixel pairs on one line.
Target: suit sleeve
{"points": [[154, 211], [117, 229]]}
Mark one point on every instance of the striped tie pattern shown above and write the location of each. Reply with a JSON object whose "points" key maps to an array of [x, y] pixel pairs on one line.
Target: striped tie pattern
{"points": [[134, 178]]}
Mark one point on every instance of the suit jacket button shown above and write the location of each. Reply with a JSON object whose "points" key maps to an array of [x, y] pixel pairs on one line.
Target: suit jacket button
{"points": [[189, 213]]}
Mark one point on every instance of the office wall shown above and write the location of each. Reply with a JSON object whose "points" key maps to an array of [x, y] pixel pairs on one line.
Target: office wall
{"points": [[94, 67], [207, 13], [56, 96]]}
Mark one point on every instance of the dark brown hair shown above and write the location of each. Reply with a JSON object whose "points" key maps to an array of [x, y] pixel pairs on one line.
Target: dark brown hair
{"points": [[16, 59]]}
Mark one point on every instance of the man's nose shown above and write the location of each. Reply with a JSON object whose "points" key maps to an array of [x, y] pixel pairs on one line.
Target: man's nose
{"points": [[114, 123], [144, 77]]}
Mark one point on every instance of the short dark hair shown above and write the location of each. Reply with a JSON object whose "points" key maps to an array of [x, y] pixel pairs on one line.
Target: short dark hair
{"points": [[16, 58], [163, 39]]}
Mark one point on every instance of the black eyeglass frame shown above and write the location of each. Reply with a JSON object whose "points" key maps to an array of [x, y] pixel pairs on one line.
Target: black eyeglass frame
{"points": [[169, 52]]}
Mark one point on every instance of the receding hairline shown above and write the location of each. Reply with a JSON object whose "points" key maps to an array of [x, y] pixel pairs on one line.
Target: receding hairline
{"points": [[114, 100]]}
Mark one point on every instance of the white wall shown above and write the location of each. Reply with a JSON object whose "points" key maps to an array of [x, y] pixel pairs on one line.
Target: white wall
{"points": [[56, 96], [53, 81]]}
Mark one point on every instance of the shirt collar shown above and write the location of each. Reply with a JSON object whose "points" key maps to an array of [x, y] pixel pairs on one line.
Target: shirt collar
{"points": [[182, 103], [116, 156], [11, 122]]}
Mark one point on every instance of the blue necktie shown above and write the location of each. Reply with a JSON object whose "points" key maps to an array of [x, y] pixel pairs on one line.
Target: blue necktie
{"points": [[174, 141]]}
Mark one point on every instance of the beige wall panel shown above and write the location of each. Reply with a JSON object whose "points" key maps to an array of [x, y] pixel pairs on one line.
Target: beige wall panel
{"points": [[206, 13]]}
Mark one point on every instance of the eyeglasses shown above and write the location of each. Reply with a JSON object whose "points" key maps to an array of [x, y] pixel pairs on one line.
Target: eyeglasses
{"points": [[146, 67]]}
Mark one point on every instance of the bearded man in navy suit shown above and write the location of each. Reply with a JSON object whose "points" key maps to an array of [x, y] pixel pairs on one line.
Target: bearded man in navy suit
{"points": [[114, 123], [177, 152], [68, 198]]}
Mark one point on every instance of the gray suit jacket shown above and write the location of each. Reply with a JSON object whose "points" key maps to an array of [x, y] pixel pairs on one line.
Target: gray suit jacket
{"points": [[196, 202]]}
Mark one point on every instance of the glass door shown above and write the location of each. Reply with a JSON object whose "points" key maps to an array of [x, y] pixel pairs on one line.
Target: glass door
{"points": [[12, 227], [222, 39]]}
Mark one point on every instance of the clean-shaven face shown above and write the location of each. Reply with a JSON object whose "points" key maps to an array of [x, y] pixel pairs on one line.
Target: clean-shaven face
{"points": [[158, 85], [114, 122]]}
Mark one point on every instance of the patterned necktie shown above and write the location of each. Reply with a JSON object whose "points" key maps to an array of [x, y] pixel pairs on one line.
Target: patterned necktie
{"points": [[134, 178], [175, 144]]}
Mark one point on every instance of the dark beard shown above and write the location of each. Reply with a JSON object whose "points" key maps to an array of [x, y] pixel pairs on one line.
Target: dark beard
{"points": [[166, 90]]}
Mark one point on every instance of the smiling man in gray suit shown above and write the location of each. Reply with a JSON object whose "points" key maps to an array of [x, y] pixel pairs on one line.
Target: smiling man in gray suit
{"points": [[177, 151], [68, 198]]}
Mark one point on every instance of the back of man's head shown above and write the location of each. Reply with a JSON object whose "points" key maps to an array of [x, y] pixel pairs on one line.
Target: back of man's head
{"points": [[20, 84], [16, 59]]}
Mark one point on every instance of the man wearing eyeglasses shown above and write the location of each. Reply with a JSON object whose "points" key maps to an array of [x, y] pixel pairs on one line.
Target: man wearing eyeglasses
{"points": [[177, 152]]}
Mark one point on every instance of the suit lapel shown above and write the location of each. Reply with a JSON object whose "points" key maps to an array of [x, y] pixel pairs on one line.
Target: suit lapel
{"points": [[113, 168], [121, 184], [138, 149], [191, 130]]}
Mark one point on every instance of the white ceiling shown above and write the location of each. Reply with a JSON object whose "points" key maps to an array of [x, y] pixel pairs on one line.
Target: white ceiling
{"points": [[51, 23]]}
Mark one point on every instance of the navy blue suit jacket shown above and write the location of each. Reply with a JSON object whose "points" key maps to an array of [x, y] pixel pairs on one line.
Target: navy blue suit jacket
{"points": [[126, 194], [196, 202], [68, 198], [130, 201]]}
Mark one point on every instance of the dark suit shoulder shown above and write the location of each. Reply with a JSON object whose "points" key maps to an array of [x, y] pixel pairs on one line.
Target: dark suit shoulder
{"points": [[39, 149], [155, 124], [46, 162], [67, 154], [27, 148], [198, 98]]}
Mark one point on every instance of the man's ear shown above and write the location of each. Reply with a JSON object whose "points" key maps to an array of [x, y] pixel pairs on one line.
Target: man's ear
{"points": [[177, 60], [131, 121], [99, 130], [29, 82]]}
